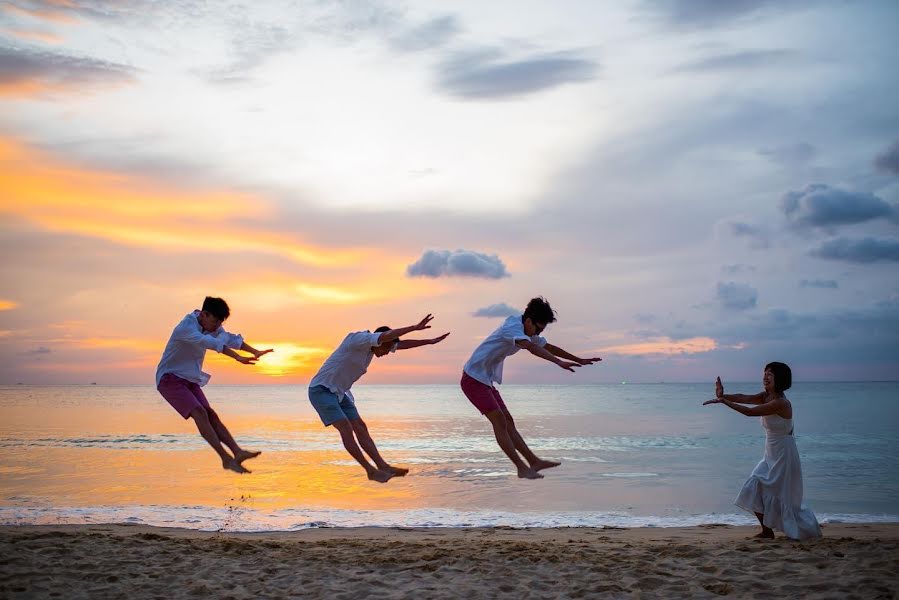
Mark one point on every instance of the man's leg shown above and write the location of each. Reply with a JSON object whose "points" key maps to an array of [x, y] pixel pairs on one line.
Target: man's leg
{"points": [[535, 461], [368, 445], [206, 429], [225, 436], [498, 419], [345, 429]]}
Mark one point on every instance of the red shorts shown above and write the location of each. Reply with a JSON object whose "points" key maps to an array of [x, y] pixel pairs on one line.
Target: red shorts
{"points": [[485, 398], [183, 395]]}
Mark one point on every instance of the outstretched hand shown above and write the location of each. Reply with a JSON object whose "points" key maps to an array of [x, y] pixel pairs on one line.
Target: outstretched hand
{"points": [[439, 339], [423, 324], [719, 389], [588, 361], [247, 360], [568, 366], [715, 401], [261, 352]]}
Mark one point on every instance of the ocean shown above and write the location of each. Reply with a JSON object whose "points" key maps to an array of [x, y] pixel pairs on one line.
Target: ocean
{"points": [[632, 454]]}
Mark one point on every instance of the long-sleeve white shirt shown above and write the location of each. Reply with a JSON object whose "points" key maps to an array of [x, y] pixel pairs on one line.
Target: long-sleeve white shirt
{"points": [[183, 355], [348, 363], [486, 362]]}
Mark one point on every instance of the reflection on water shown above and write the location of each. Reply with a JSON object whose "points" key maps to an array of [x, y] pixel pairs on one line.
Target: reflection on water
{"points": [[628, 452]]}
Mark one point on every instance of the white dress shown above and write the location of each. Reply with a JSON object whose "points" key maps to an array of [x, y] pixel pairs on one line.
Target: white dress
{"points": [[775, 486]]}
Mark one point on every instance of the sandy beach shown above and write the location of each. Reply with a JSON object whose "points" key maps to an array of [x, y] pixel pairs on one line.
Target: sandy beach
{"points": [[114, 561]]}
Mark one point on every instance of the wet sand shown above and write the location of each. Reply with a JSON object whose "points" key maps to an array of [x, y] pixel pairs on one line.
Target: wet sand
{"points": [[140, 562]]}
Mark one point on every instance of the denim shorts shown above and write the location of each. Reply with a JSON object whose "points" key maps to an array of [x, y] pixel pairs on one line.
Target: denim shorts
{"points": [[329, 409]]}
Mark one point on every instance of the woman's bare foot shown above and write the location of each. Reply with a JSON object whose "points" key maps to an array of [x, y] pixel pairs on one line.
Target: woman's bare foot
{"points": [[397, 471], [541, 464], [245, 455], [233, 465], [529, 473], [379, 476], [765, 534]]}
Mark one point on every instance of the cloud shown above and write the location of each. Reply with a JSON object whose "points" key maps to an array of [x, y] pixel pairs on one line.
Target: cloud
{"points": [[819, 283], [790, 154], [737, 296], [711, 13], [496, 310], [747, 59], [737, 268], [24, 71], [466, 263], [863, 251], [485, 75], [431, 34], [888, 160], [40, 350], [822, 206], [758, 237], [252, 44]]}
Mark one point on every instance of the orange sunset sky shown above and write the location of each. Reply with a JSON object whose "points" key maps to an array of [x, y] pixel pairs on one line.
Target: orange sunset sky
{"points": [[695, 194]]}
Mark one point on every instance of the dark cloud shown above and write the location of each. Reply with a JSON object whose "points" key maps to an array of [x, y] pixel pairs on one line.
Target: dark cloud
{"points": [[822, 206], [432, 34], [791, 154], [465, 263], [819, 283], [496, 310], [888, 160], [484, 75], [40, 350], [22, 65], [757, 235], [737, 296], [864, 251], [711, 13], [737, 61]]}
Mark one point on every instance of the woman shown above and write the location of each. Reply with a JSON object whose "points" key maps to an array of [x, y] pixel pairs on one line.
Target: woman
{"points": [[774, 490]]}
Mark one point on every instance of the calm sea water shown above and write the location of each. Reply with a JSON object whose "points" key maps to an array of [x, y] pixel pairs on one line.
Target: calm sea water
{"points": [[632, 455]]}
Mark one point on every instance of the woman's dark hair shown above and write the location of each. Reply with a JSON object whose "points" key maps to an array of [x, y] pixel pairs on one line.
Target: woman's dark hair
{"points": [[382, 329], [539, 311], [216, 307], [783, 377]]}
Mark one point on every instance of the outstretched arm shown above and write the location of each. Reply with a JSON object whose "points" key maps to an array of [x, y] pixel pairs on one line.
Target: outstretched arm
{"points": [[736, 402], [393, 334], [545, 354], [741, 398], [257, 353], [247, 360], [408, 344], [556, 351]]}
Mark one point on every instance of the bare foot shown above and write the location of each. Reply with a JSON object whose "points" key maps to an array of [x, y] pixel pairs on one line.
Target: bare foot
{"points": [[379, 476], [245, 455], [233, 465], [765, 534], [397, 471], [541, 464], [529, 474]]}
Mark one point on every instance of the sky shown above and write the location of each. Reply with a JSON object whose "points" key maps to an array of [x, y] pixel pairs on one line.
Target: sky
{"points": [[697, 187]]}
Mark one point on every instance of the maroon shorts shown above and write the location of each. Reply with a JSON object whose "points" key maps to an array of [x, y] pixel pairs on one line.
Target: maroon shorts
{"points": [[485, 398], [183, 395]]}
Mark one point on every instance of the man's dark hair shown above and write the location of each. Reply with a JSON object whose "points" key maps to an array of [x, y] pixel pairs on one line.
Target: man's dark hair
{"points": [[783, 377], [539, 311], [382, 329], [216, 307]]}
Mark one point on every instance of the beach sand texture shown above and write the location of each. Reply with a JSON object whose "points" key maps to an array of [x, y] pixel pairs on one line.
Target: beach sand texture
{"points": [[118, 561]]}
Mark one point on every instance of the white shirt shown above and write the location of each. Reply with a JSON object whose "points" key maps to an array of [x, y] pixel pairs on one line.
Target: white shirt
{"points": [[183, 355], [486, 362], [348, 363]]}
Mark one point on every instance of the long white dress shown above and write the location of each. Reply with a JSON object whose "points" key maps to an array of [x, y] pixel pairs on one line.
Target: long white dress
{"points": [[775, 486]]}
